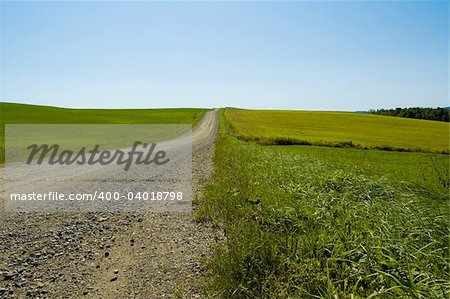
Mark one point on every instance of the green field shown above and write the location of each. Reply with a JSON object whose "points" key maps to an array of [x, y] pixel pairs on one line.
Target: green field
{"points": [[11, 113], [428, 171], [341, 129], [317, 222], [30, 114]]}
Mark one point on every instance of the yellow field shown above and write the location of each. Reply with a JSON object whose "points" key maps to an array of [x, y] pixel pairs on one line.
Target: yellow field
{"points": [[339, 129]]}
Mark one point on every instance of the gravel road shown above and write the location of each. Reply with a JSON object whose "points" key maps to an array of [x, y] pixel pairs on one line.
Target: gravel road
{"points": [[110, 255]]}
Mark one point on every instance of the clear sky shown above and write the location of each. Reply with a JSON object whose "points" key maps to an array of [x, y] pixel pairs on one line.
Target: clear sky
{"points": [[281, 55]]}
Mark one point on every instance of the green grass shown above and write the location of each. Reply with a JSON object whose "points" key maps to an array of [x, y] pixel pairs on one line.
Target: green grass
{"points": [[302, 224], [11, 113], [422, 170], [339, 129]]}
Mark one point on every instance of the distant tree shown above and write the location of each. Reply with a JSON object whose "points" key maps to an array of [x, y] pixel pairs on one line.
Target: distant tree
{"points": [[439, 114]]}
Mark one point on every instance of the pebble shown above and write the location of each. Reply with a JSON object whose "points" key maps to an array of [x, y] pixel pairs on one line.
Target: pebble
{"points": [[114, 278]]}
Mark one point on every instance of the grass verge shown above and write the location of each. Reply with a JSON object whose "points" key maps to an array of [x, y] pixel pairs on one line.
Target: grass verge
{"points": [[302, 227]]}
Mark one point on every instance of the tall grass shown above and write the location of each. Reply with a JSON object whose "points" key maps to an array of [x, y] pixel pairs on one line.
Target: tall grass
{"points": [[300, 227], [427, 171]]}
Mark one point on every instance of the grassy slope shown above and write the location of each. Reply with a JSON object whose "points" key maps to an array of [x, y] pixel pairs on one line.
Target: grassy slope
{"points": [[11, 113], [30, 114], [303, 227], [339, 129]]}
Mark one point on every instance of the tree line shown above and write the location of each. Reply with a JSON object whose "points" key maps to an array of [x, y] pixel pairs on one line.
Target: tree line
{"points": [[439, 114]]}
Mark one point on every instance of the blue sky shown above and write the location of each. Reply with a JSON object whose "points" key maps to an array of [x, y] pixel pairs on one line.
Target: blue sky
{"points": [[281, 55]]}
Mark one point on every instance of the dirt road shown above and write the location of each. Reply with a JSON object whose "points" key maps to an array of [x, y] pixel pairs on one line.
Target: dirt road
{"points": [[110, 255]]}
